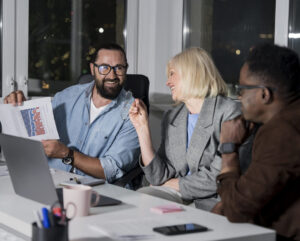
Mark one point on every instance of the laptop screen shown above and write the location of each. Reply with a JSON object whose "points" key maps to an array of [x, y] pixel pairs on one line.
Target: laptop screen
{"points": [[28, 168]]}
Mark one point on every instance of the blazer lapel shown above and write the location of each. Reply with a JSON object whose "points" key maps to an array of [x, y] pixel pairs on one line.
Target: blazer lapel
{"points": [[201, 135], [177, 129]]}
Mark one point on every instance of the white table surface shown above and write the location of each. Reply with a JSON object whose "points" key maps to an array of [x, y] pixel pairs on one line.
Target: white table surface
{"points": [[132, 217]]}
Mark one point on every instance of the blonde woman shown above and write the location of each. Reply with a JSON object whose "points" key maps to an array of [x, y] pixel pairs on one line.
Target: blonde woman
{"points": [[185, 167]]}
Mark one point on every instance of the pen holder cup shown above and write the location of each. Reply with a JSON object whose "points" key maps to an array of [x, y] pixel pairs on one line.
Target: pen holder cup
{"points": [[57, 233]]}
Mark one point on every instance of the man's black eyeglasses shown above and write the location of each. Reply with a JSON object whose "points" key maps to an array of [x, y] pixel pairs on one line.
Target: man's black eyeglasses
{"points": [[105, 69], [239, 88]]}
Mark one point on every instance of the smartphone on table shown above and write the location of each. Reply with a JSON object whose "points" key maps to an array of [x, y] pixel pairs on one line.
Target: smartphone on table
{"points": [[180, 229]]}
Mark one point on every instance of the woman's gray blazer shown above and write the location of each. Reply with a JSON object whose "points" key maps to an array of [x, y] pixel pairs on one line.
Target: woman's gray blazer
{"points": [[172, 160]]}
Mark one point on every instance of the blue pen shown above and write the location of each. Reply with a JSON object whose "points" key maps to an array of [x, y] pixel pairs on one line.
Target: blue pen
{"points": [[46, 221]]}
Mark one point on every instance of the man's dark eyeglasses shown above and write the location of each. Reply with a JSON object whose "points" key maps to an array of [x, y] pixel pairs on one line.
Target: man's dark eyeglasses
{"points": [[105, 69], [239, 88]]}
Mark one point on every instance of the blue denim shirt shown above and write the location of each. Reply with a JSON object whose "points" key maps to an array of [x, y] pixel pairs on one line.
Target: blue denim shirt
{"points": [[111, 137]]}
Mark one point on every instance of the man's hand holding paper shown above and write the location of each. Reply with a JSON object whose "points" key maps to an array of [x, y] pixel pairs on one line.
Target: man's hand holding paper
{"points": [[55, 148], [15, 98], [31, 119]]}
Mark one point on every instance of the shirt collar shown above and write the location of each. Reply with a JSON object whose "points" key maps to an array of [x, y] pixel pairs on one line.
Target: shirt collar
{"points": [[120, 97]]}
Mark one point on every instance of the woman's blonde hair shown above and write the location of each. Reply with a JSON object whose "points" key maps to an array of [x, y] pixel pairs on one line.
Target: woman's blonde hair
{"points": [[199, 75]]}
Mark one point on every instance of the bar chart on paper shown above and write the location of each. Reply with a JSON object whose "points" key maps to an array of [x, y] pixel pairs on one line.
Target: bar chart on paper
{"points": [[33, 119], [33, 122]]}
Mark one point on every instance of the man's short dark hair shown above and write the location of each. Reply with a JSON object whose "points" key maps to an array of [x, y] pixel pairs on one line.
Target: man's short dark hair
{"points": [[277, 67], [109, 46]]}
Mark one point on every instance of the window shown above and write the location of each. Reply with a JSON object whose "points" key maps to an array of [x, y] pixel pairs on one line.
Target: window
{"points": [[294, 26], [227, 29], [62, 37]]}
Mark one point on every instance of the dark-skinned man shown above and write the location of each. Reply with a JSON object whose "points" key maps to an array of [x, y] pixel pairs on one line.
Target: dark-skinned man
{"points": [[268, 193]]}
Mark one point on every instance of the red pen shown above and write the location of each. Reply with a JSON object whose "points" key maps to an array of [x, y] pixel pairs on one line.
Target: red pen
{"points": [[56, 211]]}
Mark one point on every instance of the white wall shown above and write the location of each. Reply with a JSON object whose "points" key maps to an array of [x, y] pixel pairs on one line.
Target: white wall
{"points": [[281, 22], [14, 45], [8, 47], [154, 35], [157, 26]]}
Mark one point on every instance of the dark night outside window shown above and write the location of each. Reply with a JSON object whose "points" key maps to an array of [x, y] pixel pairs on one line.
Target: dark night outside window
{"points": [[62, 36], [227, 29]]}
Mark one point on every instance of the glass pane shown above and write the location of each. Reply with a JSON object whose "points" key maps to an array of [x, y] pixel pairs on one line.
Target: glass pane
{"points": [[227, 29], [294, 26], [62, 38]]}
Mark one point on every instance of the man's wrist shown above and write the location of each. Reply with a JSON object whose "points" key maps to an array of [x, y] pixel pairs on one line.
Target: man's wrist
{"points": [[230, 163], [65, 152], [228, 147], [69, 158]]}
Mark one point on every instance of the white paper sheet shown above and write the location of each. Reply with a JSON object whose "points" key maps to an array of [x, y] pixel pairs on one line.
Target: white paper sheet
{"points": [[3, 171], [130, 229], [34, 119]]}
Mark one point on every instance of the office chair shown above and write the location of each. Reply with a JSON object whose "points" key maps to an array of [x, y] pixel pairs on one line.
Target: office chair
{"points": [[139, 86]]}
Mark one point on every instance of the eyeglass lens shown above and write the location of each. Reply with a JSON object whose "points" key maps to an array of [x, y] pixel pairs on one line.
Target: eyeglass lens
{"points": [[105, 69], [240, 88]]}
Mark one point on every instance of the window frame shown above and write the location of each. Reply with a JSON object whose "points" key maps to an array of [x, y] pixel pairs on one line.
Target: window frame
{"points": [[15, 15]]}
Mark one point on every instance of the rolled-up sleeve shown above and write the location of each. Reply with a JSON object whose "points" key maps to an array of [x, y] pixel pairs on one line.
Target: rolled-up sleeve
{"points": [[123, 153]]}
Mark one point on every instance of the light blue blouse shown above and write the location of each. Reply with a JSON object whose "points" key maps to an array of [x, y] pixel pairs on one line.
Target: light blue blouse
{"points": [[192, 120]]}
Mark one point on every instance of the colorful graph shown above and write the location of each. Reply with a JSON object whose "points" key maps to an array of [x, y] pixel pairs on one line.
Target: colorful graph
{"points": [[33, 122]]}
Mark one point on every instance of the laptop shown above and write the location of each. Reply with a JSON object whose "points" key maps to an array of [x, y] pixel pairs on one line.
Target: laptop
{"points": [[29, 171]]}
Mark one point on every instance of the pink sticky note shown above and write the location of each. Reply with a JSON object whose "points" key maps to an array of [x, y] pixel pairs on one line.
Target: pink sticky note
{"points": [[169, 208]]}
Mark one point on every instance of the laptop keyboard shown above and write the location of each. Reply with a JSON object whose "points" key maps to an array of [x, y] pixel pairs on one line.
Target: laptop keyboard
{"points": [[6, 235]]}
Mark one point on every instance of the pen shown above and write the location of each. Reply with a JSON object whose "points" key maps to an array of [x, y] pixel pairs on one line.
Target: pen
{"points": [[52, 219], [46, 221], [56, 211], [63, 219], [38, 218], [77, 181]]}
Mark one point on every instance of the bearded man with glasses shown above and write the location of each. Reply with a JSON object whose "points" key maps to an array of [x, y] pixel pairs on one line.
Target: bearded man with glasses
{"points": [[110, 87], [267, 193], [96, 135]]}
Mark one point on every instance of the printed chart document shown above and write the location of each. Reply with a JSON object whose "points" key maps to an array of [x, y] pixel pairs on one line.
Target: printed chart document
{"points": [[33, 120]]}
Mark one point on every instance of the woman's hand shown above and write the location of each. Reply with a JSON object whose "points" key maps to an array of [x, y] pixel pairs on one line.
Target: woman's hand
{"points": [[172, 183], [139, 118], [138, 114]]}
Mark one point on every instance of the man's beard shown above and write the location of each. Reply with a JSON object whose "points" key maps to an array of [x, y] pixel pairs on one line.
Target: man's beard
{"points": [[109, 92]]}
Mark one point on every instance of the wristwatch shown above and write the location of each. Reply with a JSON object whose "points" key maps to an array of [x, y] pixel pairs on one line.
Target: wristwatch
{"points": [[226, 148], [69, 159]]}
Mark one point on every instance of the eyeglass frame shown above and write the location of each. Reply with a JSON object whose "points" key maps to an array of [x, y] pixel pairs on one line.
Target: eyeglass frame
{"points": [[111, 67], [239, 88]]}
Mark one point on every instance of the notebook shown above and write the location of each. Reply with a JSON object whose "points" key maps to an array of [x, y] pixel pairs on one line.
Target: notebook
{"points": [[29, 171]]}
